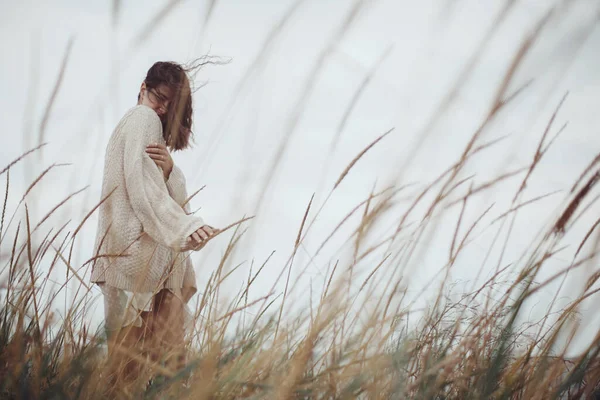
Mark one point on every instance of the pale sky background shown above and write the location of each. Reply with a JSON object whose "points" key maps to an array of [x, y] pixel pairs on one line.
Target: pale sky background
{"points": [[425, 46]]}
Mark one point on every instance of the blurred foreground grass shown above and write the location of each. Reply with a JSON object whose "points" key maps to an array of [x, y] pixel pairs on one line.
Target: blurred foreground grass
{"points": [[470, 347], [355, 342]]}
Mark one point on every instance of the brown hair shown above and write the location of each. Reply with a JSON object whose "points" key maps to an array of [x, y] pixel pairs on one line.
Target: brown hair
{"points": [[177, 123]]}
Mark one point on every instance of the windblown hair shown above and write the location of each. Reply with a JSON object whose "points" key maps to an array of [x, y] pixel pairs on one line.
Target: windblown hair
{"points": [[177, 123]]}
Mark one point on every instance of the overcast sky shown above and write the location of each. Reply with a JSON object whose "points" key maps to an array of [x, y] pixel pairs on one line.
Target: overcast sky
{"points": [[292, 82]]}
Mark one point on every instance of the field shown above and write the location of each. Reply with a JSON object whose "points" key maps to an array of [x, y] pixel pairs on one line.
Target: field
{"points": [[363, 337]]}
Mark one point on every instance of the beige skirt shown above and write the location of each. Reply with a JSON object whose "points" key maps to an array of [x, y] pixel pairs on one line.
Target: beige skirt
{"points": [[123, 308]]}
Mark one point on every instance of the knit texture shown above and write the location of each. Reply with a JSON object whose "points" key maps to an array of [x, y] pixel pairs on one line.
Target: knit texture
{"points": [[142, 241]]}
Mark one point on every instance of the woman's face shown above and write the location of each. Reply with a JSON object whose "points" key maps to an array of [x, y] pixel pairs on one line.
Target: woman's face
{"points": [[157, 98]]}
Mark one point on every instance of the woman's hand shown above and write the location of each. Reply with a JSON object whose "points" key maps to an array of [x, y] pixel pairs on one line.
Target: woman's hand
{"points": [[201, 236], [161, 156]]}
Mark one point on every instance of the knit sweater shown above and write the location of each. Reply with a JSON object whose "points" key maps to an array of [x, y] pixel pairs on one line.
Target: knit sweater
{"points": [[143, 231]]}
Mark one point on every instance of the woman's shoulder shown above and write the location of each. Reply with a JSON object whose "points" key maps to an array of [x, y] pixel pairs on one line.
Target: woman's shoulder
{"points": [[141, 119], [141, 112]]}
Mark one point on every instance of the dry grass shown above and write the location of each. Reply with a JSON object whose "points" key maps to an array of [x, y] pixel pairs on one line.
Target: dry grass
{"points": [[351, 343], [356, 340]]}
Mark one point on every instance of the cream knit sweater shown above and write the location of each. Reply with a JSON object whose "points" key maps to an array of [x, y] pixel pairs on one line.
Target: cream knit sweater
{"points": [[142, 237]]}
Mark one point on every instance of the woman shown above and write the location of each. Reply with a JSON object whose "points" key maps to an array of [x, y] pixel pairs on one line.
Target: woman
{"points": [[145, 228]]}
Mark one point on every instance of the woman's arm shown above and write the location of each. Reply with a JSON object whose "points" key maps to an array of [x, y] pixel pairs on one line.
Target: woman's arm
{"points": [[174, 177], [176, 185], [161, 216]]}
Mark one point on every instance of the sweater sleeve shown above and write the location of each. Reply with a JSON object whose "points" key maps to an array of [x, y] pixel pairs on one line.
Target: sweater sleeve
{"points": [[162, 218], [178, 190], [176, 186]]}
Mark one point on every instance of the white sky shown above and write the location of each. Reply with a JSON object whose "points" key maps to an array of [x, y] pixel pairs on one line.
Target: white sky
{"points": [[430, 43]]}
